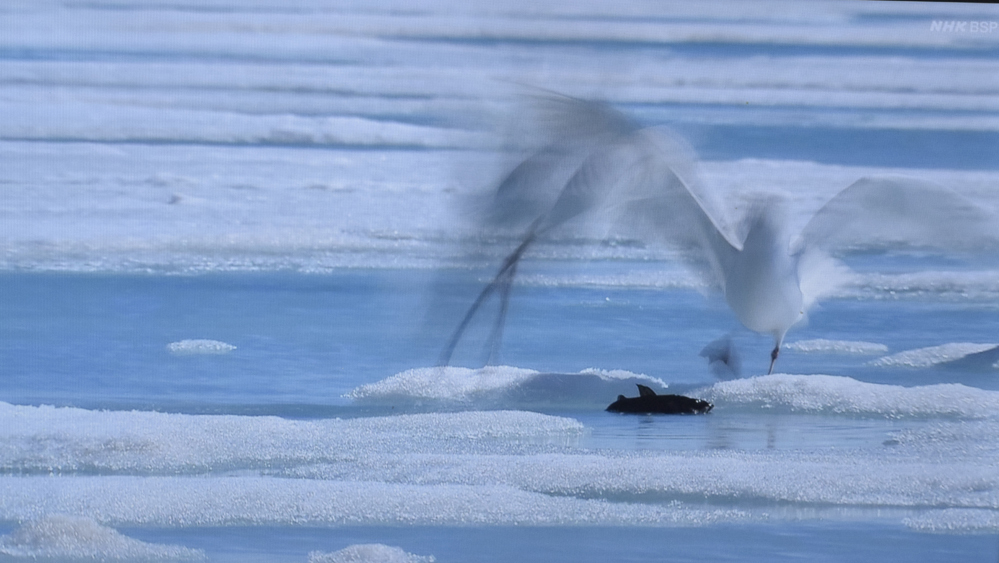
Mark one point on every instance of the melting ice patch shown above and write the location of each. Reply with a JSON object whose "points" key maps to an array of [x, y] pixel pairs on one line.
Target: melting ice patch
{"points": [[175, 124], [269, 501], [500, 386], [75, 538], [46, 440], [823, 346], [369, 553], [960, 285], [843, 395], [666, 277], [960, 520], [495, 468], [199, 347], [960, 354]]}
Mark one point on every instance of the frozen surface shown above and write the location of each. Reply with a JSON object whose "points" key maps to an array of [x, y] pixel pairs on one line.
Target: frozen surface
{"points": [[199, 346], [842, 395], [502, 386], [826, 346], [296, 181], [501, 467], [268, 136], [942, 354], [78, 538], [369, 553]]}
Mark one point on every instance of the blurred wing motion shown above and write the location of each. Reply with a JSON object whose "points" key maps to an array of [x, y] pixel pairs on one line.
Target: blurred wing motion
{"points": [[888, 212], [567, 139], [595, 169], [596, 164], [900, 212]]}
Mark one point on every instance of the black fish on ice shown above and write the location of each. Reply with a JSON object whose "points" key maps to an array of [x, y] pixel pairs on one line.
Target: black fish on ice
{"points": [[647, 402]]}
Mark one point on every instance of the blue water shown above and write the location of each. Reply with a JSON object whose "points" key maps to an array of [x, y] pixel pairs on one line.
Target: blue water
{"points": [[303, 341], [795, 542]]}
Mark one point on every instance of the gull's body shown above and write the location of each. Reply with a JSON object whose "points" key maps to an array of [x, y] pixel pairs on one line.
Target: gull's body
{"points": [[597, 167], [761, 282]]}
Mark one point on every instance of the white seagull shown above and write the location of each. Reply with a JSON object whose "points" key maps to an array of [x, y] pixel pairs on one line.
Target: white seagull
{"points": [[595, 166]]}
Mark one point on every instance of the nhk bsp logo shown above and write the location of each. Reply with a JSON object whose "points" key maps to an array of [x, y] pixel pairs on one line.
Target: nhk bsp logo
{"points": [[959, 26]]}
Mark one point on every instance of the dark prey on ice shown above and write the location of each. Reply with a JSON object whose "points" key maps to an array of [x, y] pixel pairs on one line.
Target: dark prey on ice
{"points": [[648, 402]]}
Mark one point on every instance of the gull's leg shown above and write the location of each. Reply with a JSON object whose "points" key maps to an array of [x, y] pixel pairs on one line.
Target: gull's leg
{"points": [[773, 358]]}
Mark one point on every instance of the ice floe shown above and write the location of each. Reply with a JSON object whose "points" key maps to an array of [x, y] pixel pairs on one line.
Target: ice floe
{"points": [[199, 347], [78, 538], [824, 346], [501, 386], [369, 553], [843, 395], [967, 354]]}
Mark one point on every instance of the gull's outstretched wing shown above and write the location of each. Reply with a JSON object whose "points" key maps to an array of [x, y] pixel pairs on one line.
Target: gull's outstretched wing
{"points": [[655, 197], [627, 177], [900, 213], [888, 213], [549, 187], [601, 172], [564, 132]]}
